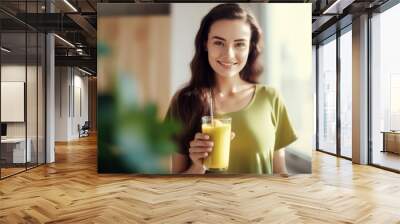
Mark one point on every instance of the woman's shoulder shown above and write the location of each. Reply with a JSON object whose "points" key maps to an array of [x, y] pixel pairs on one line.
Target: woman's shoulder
{"points": [[174, 103], [267, 91], [182, 99], [268, 95], [182, 91], [183, 94]]}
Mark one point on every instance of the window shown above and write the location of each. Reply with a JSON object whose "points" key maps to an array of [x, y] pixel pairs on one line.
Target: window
{"points": [[327, 96], [22, 68], [346, 93], [385, 85]]}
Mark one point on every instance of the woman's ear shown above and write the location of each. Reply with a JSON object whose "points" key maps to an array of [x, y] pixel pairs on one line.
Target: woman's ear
{"points": [[205, 46]]}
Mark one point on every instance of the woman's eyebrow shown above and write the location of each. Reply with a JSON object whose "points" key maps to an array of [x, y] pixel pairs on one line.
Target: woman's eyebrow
{"points": [[238, 40], [220, 38]]}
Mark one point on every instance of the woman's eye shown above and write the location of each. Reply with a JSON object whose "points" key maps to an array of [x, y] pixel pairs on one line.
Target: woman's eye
{"points": [[240, 45], [218, 43]]}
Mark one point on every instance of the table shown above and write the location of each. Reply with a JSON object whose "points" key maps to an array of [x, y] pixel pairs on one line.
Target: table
{"points": [[15, 148]]}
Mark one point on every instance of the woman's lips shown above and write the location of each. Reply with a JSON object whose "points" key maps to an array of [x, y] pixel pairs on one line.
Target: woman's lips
{"points": [[226, 65]]}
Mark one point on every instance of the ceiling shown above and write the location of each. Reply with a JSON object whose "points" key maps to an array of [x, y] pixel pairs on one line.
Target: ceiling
{"points": [[76, 22]]}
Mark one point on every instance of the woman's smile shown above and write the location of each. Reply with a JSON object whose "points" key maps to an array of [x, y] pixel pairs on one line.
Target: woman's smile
{"points": [[226, 65]]}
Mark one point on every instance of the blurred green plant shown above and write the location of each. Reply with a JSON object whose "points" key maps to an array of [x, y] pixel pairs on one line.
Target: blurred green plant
{"points": [[132, 139]]}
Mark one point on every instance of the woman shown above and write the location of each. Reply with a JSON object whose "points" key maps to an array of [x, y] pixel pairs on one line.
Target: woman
{"points": [[226, 64]]}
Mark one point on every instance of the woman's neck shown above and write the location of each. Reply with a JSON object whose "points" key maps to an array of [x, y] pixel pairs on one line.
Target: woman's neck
{"points": [[228, 85]]}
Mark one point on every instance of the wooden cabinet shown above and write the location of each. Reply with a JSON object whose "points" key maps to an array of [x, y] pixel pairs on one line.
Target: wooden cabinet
{"points": [[391, 142]]}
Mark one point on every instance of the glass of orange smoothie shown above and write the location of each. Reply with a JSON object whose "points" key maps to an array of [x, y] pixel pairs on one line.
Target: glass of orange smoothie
{"points": [[219, 130]]}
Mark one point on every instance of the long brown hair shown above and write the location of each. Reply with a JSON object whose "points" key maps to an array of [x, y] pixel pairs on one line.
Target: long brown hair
{"points": [[191, 101]]}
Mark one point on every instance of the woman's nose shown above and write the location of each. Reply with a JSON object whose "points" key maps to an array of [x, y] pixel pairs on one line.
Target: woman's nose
{"points": [[229, 52]]}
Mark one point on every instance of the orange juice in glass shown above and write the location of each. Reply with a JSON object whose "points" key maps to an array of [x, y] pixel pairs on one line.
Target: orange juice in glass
{"points": [[219, 130]]}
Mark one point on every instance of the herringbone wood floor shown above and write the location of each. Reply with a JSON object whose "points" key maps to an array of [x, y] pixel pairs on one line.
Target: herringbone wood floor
{"points": [[71, 191]]}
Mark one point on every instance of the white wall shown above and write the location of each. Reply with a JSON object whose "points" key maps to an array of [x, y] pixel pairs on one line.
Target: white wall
{"points": [[80, 83], [70, 83], [13, 72], [62, 80]]}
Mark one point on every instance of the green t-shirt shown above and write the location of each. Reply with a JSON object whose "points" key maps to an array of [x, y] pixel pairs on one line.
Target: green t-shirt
{"points": [[262, 127]]}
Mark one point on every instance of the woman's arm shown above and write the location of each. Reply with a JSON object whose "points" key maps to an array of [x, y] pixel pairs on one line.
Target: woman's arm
{"points": [[279, 165]]}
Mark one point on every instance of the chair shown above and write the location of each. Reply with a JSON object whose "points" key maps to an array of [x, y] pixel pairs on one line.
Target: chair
{"points": [[84, 130]]}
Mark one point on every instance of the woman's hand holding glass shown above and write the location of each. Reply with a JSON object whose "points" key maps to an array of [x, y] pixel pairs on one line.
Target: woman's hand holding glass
{"points": [[199, 149]]}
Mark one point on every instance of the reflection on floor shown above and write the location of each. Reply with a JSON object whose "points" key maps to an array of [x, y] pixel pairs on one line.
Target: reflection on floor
{"points": [[387, 159], [346, 152], [297, 162], [10, 169]]}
